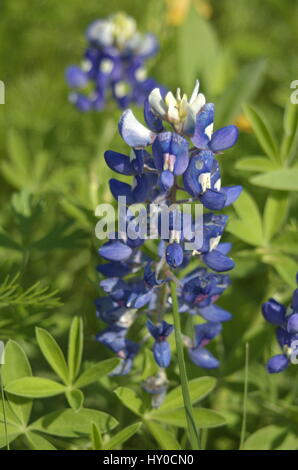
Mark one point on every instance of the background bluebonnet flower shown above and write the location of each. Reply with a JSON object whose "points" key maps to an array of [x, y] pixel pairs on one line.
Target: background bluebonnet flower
{"points": [[113, 64], [161, 160], [286, 320]]}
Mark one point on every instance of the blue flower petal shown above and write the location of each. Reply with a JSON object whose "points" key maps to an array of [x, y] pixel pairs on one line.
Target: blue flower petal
{"points": [[115, 250], [76, 77], [198, 170], [166, 180], [274, 312], [292, 324], [121, 189], [224, 247], [174, 255], [203, 358], [224, 138], [213, 200], [114, 269], [217, 261], [204, 119], [162, 353], [214, 313], [232, 193], [295, 300], [153, 122], [277, 363], [119, 162]]}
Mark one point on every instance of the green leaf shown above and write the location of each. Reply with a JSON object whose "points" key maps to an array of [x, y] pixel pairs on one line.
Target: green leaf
{"points": [[198, 389], [37, 442], [199, 61], [96, 438], [34, 387], [75, 399], [286, 268], [285, 179], [256, 164], [122, 436], [75, 347], [204, 418], [239, 91], [263, 132], [17, 366], [287, 242], [164, 438], [12, 433], [248, 227], [95, 372], [290, 139], [52, 353], [266, 438], [275, 213], [130, 399], [68, 423]]}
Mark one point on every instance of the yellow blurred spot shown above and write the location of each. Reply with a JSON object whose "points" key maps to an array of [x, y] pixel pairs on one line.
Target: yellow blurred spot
{"points": [[243, 123], [176, 11], [204, 8]]}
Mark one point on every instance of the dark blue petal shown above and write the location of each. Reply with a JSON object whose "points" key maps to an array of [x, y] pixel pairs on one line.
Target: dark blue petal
{"points": [[162, 353], [232, 193], [179, 148], [114, 269], [277, 363], [152, 121], [119, 162], [292, 324], [153, 329], [199, 168], [283, 337], [138, 300], [217, 261], [204, 119], [141, 188], [274, 312], [82, 102], [203, 358], [115, 250], [76, 77], [205, 332], [214, 313], [295, 300], [224, 138], [213, 200], [113, 337], [119, 188], [174, 255]]}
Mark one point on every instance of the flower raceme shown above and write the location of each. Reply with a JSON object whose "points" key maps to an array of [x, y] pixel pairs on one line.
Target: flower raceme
{"points": [[177, 150], [286, 320], [114, 63]]}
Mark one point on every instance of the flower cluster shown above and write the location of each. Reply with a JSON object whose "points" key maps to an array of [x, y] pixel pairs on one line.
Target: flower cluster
{"points": [[162, 161], [286, 320], [114, 61]]}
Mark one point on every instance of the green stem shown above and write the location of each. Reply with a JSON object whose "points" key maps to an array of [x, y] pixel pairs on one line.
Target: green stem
{"points": [[243, 428], [4, 411], [191, 425]]}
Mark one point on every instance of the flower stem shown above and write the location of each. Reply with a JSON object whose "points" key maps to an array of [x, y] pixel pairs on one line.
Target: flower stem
{"points": [[191, 425]]}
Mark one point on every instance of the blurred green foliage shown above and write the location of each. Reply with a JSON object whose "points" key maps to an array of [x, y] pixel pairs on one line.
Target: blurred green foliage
{"points": [[53, 176]]}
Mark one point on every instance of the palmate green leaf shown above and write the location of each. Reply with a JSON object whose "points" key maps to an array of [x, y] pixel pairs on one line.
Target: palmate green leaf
{"points": [[68, 423], [75, 399], [287, 242], [130, 400], [204, 418], [199, 388], [241, 90], [164, 438], [12, 433], [95, 372], [122, 436], [285, 179], [275, 213], [34, 387], [37, 442], [248, 227], [286, 268], [96, 437], [263, 132], [270, 438], [290, 139], [75, 347], [52, 353], [17, 366], [256, 163]]}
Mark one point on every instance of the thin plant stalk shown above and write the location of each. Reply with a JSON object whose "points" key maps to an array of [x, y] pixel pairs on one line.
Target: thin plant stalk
{"points": [[191, 425]]}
